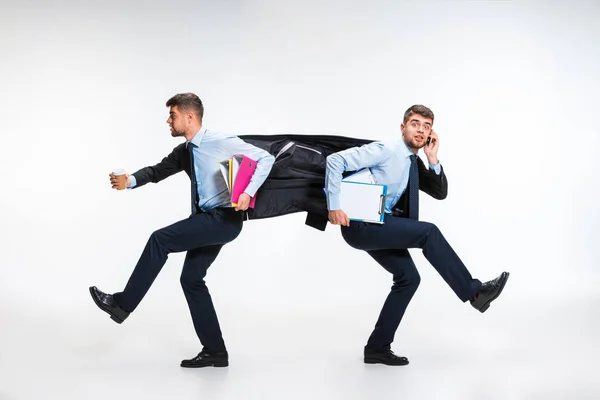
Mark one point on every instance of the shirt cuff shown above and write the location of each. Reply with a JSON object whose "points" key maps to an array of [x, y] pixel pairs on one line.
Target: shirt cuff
{"points": [[132, 182], [251, 191], [333, 202], [437, 168]]}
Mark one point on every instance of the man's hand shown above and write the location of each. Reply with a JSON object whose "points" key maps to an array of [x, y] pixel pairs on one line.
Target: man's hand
{"points": [[243, 202], [431, 149], [114, 182], [338, 217]]}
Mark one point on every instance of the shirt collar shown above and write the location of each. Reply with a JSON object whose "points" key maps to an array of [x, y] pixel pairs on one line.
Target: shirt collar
{"points": [[197, 139], [405, 151]]}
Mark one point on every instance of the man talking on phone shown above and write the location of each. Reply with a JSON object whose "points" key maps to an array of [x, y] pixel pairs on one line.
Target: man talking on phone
{"points": [[398, 166]]}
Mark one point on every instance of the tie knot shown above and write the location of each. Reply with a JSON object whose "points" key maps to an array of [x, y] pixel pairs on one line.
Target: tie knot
{"points": [[413, 157]]}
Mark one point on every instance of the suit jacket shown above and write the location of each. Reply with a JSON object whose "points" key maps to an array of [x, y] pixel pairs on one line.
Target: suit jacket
{"points": [[429, 182], [297, 178]]}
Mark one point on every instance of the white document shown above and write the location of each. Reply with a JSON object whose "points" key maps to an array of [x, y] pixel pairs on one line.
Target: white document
{"points": [[224, 167], [363, 201]]}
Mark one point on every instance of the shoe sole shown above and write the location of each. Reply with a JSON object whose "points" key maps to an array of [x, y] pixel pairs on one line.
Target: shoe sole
{"points": [[487, 305], [377, 361], [112, 316], [219, 364]]}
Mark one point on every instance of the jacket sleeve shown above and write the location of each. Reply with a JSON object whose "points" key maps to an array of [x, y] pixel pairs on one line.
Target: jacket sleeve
{"points": [[431, 183], [171, 164]]}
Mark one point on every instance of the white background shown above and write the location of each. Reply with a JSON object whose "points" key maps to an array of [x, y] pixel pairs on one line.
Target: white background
{"points": [[514, 87]]}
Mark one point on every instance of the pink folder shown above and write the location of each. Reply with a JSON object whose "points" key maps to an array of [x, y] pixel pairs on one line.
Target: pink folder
{"points": [[242, 170]]}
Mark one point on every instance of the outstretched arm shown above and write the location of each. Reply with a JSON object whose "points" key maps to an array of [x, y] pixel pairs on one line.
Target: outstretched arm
{"points": [[171, 164]]}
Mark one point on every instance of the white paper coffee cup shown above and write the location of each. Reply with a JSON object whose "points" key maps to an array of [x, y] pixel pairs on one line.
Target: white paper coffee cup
{"points": [[121, 176]]}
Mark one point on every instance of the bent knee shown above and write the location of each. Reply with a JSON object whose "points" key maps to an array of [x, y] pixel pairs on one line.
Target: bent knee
{"points": [[408, 281], [430, 227], [414, 280], [158, 236], [352, 237], [191, 279]]}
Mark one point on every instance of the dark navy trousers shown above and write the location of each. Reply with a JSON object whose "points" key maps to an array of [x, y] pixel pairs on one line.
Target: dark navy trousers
{"points": [[202, 235], [388, 244]]}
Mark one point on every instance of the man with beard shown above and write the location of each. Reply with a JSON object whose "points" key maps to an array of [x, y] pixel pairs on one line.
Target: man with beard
{"points": [[212, 223], [398, 166]]}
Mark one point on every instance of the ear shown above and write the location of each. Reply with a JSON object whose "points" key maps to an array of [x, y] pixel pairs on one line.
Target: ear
{"points": [[402, 129]]}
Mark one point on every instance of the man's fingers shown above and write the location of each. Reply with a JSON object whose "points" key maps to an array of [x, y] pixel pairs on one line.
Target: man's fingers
{"points": [[242, 206], [338, 217]]}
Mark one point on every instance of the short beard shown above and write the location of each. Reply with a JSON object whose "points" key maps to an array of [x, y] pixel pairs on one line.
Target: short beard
{"points": [[175, 133], [414, 146], [419, 146]]}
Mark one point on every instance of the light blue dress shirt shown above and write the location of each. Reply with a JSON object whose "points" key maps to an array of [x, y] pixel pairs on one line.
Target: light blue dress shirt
{"points": [[389, 163], [210, 148]]}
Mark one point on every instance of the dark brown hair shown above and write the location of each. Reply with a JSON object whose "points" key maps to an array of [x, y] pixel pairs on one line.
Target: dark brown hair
{"points": [[420, 110], [187, 102]]}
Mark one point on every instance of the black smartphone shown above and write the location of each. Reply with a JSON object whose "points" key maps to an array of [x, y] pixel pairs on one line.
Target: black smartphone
{"points": [[428, 140]]}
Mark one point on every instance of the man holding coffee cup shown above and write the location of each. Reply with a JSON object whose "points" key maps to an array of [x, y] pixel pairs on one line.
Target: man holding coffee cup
{"points": [[212, 224], [119, 179]]}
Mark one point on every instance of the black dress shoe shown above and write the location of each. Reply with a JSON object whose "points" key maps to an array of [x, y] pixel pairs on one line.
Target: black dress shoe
{"points": [[107, 303], [386, 357], [207, 359], [489, 292]]}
